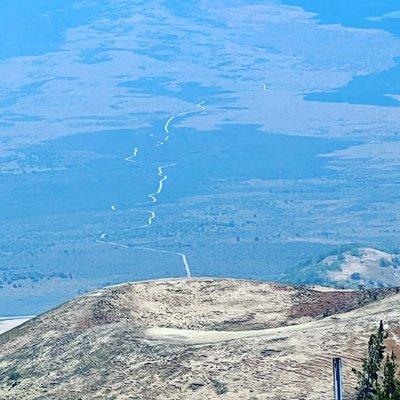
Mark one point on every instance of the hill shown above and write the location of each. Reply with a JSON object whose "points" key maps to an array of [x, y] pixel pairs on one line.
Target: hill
{"points": [[194, 339], [352, 268]]}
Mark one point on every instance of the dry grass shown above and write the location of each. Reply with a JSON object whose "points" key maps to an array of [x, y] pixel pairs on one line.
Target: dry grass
{"points": [[193, 339]]}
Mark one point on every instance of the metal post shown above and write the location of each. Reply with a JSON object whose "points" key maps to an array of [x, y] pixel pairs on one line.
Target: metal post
{"points": [[337, 378]]}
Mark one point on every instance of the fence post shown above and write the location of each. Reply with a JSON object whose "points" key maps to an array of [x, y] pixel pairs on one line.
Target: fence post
{"points": [[337, 378]]}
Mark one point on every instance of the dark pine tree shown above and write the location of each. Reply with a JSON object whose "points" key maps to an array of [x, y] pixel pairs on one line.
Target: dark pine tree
{"points": [[368, 387], [390, 389]]}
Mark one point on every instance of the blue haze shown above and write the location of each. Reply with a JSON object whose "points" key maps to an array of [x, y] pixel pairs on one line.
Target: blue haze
{"points": [[283, 144]]}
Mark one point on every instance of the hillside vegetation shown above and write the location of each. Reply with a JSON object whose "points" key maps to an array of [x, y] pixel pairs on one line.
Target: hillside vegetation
{"points": [[353, 268], [195, 339]]}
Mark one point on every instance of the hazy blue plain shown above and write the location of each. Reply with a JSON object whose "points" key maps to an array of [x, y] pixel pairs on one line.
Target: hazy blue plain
{"points": [[283, 144]]}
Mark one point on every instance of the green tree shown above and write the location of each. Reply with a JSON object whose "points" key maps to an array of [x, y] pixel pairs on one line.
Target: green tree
{"points": [[390, 388], [373, 383], [368, 386]]}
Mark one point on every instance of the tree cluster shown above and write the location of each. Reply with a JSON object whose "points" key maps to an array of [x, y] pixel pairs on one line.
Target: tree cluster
{"points": [[378, 379]]}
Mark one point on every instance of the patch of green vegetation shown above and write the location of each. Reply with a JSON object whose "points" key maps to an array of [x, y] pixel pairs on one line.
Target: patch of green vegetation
{"points": [[384, 263], [378, 379], [14, 377], [355, 252], [219, 387], [353, 249], [312, 272]]}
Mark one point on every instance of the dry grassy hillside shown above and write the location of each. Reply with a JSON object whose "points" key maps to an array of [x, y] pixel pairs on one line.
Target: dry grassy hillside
{"points": [[194, 339]]}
